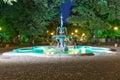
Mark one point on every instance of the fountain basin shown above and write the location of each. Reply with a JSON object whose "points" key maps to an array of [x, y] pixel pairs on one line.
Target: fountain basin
{"points": [[53, 50]]}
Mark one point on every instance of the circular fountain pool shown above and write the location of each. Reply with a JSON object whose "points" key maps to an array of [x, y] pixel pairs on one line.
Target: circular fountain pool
{"points": [[52, 50]]}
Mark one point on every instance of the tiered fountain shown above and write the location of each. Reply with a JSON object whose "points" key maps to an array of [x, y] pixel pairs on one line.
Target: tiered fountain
{"points": [[60, 36], [61, 48]]}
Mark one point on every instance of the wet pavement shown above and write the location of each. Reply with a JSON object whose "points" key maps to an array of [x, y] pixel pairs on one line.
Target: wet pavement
{"points": [[100, 67]]}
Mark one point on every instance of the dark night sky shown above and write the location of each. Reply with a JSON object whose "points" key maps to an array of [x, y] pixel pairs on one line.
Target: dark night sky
{"points": [[65, 9]]}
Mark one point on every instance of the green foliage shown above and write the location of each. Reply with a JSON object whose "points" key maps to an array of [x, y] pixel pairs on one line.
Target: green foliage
{"points": [[30, 17], [34, 17], [109, 33], [7, 32], [95, 15]]}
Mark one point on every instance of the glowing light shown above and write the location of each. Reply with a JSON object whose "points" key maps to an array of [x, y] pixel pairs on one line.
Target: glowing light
{"points": [[47, 31], [0, 28], [72, 51], [52, 33], [115, 28], [50, 51], [72, 33], [83, 34], [19, 36], [76, 31], [83, 50]]}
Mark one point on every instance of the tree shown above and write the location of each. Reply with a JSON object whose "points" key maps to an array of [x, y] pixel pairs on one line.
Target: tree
{"points": [[7, 32], [94, 15], [31, 17]]}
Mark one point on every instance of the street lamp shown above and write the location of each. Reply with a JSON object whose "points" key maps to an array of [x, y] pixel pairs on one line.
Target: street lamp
{"points": [[0, 38], [116, 43], [47, 37], [0, 28]]}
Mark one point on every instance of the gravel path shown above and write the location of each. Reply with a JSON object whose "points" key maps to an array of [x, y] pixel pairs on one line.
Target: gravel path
{"points": [[101, 67]]}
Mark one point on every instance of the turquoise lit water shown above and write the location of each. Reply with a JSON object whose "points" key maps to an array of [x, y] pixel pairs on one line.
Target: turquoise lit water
{"points": [[54, 50]]}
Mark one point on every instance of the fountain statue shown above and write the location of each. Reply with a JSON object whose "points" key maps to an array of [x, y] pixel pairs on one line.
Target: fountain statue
{"points": [[61, 34]]}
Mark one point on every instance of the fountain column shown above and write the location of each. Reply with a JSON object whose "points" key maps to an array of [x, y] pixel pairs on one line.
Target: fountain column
{"points": [[61, 32], [61, 35]]}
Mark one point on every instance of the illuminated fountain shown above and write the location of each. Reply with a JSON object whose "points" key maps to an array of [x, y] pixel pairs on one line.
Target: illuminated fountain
{"points": [[61, 35], [61, 48]]}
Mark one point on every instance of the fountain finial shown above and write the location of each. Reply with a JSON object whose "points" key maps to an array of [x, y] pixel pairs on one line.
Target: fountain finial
{"points": [[61, 20]]}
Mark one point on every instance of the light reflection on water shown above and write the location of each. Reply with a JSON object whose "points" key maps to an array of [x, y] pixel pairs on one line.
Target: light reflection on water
{"points": [[53, 50]]}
